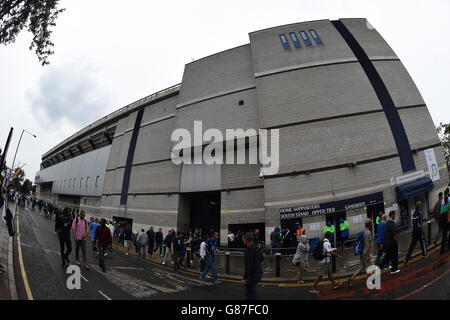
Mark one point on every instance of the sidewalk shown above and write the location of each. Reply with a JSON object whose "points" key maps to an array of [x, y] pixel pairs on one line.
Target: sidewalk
{"points": [[7, 281], [344, 267]]}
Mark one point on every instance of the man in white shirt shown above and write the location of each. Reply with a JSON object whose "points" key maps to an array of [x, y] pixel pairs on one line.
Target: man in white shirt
{"points": [[203, 254], [325, 263]]}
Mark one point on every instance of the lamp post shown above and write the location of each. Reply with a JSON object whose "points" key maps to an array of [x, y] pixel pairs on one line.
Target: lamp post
{"points": [[23, 130]]}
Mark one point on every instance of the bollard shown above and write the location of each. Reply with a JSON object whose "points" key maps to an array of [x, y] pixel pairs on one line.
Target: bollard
{"points": [[429, 232], [277, 264], [227, 262], [188, 257]]}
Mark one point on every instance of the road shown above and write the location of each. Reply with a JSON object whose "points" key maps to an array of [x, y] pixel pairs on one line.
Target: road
{"points": [[129, 278]]}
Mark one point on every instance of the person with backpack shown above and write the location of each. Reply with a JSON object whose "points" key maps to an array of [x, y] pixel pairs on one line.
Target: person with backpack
{"points": [[390, 245], [80, 229], [275, 239], [361, 247], [323, 252], [300, 259], [253, 264], [417, 234]]}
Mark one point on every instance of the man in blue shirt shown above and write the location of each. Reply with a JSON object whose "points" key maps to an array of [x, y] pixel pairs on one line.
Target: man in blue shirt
{"points": [[210, 248], [380, 240], [94, 225]]}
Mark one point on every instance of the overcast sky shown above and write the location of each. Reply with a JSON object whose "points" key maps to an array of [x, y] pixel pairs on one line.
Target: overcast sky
{"points": [[109, 53]]}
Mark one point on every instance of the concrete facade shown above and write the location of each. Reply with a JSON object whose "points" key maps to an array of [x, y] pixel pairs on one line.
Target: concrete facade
{"points": [[336, 142]]}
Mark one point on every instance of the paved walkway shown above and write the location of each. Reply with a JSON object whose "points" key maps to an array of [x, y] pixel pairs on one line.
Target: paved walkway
{"points": [[7, 281], [344, 267]]}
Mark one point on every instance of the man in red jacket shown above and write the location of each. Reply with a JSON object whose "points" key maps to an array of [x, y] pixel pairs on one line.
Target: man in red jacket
{"points": [[103, 237]]}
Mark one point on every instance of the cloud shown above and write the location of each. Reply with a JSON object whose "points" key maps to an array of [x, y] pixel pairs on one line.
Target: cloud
{"points": [[69, 94]]}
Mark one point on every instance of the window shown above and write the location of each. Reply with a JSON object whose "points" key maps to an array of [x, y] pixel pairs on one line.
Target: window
{"points": [[74, 181], [284, 41], [81, 181], [70, 182], [241, 102], [294, 39], [64, 185], [96, 181], [315, 36], [87, 181], [305, 38]]}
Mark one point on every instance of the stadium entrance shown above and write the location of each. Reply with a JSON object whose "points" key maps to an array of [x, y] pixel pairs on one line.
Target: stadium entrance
{"points": [[200, 210]]}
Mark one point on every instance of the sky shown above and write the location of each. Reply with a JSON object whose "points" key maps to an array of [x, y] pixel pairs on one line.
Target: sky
{"points": [[109, 53]]}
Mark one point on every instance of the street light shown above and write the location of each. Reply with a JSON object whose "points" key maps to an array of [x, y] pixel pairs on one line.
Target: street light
{"points": [[23, 130]]}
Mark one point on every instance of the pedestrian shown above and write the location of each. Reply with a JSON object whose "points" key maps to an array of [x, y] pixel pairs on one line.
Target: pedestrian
{"points": [[300, 259], [168, 244], [390, 245], [230, 239], [329, 228], [437, 216], [210, 248], [203, 255], [299, 232], [275, 242], [80, 229], [151, 240], [323, 252], [159, 241], [380, 240], [142, 240], [417, 234], [253, 264], [344, 231], [257, 237], [63, 224], [93, 226], [364, 253], [127, 238], [445, 221], [104, 240], [177, 250]]}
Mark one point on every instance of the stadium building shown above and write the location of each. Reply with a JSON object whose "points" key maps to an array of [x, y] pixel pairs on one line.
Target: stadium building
{"points": [[355, 136]]}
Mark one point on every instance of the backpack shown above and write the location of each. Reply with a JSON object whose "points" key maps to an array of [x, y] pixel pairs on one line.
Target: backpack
{"points": [[358, 245], [318, 251]]}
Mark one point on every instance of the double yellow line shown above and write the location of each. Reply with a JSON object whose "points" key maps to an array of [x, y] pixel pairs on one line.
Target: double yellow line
{"points": [[22, 268]]}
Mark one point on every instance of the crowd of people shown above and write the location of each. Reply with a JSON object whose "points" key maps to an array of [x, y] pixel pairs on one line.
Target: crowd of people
{"points": [[172, 247]]}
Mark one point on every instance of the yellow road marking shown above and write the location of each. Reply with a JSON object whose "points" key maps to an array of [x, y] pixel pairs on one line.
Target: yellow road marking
{"points": [[24, 275]]}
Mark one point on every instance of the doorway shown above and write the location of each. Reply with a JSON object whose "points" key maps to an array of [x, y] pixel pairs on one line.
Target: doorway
{"points": [[372, 213], [202, 210]]}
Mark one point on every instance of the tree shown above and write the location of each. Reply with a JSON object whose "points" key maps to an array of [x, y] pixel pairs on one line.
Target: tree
{"points": [[17, 181], [37, 15], [444, 134], [27, 186]]}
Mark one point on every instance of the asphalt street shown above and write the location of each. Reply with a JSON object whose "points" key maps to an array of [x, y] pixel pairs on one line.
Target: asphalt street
{"points": [[129, 277]]}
